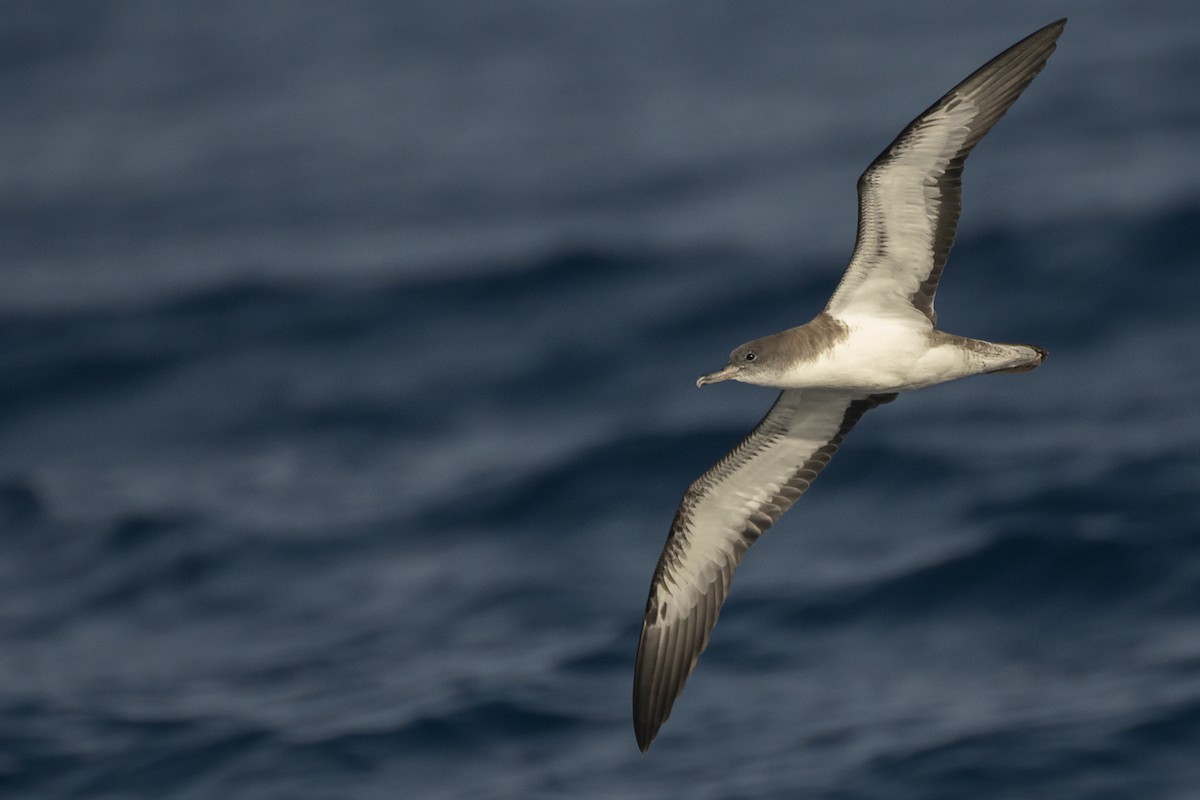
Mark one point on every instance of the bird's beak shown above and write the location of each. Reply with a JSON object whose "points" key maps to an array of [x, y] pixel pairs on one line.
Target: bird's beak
{"points": [[717, 377]]}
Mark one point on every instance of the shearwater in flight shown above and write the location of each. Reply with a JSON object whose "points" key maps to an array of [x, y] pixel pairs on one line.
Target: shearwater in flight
{"points": [[876, 337]]}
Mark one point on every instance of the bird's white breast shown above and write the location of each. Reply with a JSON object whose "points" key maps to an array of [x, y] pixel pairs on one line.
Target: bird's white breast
{"points": [[879, 355]]}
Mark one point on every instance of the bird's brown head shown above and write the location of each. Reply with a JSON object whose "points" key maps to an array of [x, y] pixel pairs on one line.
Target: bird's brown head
{"points": [[753, 362]]}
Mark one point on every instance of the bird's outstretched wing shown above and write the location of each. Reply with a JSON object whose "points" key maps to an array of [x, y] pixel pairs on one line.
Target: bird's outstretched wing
{"points": [[721, 515], [910, 197]]}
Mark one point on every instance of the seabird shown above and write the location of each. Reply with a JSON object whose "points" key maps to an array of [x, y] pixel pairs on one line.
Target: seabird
{"points": [[876, 337]]}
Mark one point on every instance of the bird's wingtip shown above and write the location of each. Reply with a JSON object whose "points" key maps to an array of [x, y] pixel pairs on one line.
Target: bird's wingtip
{"points": [[645, 734]]}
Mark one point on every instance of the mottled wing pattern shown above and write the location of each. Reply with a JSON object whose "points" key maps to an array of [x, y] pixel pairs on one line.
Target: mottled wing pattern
{"points": [[910, 197], [721, 515]]}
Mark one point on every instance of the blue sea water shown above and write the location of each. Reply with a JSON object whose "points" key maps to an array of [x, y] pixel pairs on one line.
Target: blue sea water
{"points": [[347, 357]]}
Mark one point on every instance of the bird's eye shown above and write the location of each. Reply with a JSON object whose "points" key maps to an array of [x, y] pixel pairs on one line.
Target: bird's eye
{"points": [[750, 356]]}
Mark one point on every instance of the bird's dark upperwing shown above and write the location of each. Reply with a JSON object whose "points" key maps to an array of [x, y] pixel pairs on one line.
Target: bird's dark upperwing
{"points": [[721, 515], [910, 197]]}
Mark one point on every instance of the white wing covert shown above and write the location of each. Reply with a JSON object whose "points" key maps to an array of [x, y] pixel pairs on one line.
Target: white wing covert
{"points": [[910, 196], [721, 515]]}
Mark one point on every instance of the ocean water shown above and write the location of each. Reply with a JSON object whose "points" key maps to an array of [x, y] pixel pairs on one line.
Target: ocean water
{"points": [[348, 357]]}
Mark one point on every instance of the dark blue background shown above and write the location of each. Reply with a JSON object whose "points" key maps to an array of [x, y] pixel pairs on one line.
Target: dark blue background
{"points": [[347, 355]]}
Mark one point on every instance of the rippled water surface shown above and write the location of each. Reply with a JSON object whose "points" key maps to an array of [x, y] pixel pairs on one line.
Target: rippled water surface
{"points": [[347, 361]]}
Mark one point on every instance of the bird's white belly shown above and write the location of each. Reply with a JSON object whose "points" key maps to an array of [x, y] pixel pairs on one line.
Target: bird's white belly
{"points": [[880, 357]]}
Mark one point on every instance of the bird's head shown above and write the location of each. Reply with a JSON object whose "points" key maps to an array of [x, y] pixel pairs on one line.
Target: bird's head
{"points": [[754, 362]]}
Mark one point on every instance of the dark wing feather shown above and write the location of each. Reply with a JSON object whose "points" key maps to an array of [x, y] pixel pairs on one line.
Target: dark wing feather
{"points": [[721, 515], [910, 197]]}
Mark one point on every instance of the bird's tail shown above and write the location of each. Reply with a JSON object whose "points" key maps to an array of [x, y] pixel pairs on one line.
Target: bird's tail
{"points": [[1027, 356]]}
